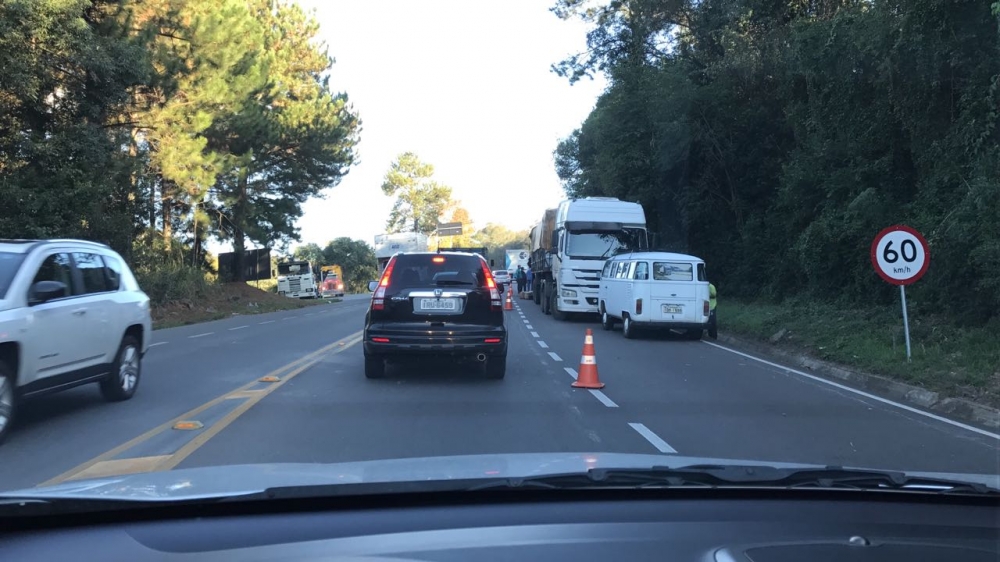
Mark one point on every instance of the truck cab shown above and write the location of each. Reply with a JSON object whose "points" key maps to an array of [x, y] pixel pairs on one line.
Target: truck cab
{"points": [[585, 233], [297, 280]]}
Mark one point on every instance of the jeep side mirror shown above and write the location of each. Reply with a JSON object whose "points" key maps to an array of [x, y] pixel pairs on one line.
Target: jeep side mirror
{"points": [[44, 291]]}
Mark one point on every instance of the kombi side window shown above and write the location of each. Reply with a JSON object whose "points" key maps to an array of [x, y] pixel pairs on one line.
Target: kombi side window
{"points": [[623, 270], [672, 271], [702, 276], [607, 269], [641, 270]]}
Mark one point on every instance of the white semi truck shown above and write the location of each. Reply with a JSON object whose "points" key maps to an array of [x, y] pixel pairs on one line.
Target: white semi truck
{"points": [[570, 245], [297, 280], [387, 245]]}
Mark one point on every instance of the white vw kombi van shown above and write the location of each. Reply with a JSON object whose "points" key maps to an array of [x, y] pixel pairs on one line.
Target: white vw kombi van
{"points": [[654, 290]]}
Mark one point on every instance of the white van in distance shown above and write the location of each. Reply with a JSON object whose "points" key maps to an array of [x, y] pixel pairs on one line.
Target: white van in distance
{"points": [[654, 290]]}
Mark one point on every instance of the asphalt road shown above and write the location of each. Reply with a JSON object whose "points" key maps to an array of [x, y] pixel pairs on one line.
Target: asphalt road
{"points": [[662, 395]]}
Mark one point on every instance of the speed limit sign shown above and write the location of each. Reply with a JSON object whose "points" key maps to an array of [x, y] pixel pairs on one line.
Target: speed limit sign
{"points": [[900, 255]]}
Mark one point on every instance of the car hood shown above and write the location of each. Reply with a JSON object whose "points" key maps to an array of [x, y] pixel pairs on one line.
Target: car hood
{"points": [[236, 480]]}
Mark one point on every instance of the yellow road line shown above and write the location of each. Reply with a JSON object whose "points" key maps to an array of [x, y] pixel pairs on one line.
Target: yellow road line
{"points": [[192, 414], [203, 437]]}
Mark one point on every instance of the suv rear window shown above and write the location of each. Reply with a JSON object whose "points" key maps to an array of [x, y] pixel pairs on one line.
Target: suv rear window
{"points": [[436, 270], [10, 262]]}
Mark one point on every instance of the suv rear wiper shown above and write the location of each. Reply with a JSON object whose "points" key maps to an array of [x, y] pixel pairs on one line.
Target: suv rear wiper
{"points": [[738, 476], [452, 282]]}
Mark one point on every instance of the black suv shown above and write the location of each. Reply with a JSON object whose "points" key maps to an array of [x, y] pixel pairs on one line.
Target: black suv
{"points": [[436, 304]]}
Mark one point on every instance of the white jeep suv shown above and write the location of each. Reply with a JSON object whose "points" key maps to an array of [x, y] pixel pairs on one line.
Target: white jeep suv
{"points": [[71, 313]]}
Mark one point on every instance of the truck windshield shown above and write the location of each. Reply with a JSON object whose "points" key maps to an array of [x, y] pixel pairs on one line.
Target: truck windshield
{"points": [[601, 245], [286, 269]]}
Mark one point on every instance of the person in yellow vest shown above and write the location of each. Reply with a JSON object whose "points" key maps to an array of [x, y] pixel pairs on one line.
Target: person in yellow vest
{"points": [[712, 326]]}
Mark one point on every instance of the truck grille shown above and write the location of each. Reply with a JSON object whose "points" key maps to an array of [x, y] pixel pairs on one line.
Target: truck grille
{"points": [[294, 285]]}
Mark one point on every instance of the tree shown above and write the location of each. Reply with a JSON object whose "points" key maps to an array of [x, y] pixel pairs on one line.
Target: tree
{"points": [[357, 260], [420, 201], [311, 253], [66, 69], [461, 215], [498, 239]]}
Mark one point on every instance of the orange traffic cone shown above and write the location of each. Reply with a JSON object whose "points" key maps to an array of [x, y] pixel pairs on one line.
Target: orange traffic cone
{"points": [[588, 365], [508, 304]]}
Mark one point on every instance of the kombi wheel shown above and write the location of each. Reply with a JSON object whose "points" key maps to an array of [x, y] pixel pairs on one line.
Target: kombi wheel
{"points": [[607, 322], [628, 330]]}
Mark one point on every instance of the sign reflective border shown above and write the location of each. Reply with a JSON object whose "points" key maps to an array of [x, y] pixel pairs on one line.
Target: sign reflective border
{"points": [[900, 255]]}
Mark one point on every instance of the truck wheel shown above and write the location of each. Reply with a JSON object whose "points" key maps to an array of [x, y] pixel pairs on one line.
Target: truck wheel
{"points": [[556, 313]]}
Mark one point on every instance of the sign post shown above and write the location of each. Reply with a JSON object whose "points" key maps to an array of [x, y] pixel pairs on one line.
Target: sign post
{"points": [[901, 256]]}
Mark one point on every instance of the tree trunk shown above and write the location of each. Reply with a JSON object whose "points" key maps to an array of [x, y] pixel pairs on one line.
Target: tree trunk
{"points": [[239, 219], [166, 204]]}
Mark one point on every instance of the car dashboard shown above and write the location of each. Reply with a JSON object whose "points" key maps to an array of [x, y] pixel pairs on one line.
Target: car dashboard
{"points": [[577, 526]]}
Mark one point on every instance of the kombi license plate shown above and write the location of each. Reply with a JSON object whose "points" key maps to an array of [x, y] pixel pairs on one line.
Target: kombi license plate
{"points": [[672, 309], [438, 304]]}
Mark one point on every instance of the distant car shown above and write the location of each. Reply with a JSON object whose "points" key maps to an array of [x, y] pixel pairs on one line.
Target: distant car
{"points": [[434, 304], [71, 313], [503, 278]]}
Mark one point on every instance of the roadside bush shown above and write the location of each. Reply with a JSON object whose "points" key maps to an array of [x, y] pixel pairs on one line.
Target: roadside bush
{"points": [[173, 282]]}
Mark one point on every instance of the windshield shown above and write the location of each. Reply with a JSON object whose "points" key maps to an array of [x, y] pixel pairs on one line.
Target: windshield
{"points": [[263, 233], [599, 245], [10, 262]]}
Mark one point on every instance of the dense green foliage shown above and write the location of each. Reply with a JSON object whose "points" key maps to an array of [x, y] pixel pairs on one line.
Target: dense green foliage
{"points": [[191, 118], [775, 139], [420, 200]]}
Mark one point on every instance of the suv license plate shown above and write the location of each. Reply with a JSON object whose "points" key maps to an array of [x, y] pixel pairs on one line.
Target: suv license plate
{"points": [[670, 309], [438, 304]]}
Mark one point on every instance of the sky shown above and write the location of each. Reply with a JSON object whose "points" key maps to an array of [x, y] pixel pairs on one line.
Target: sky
{"points": [[467, 86]]}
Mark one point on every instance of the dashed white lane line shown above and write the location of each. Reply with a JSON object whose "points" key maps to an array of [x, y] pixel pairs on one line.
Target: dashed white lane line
{"points": [[529, 327], [603, 398], [554, 357], [525, 321], [201, 335], [534, 334], [158, 343], [289, 318], [309, 314], [543, 344], [862, 393], [238, 328], [266, 322], [653, 438]]}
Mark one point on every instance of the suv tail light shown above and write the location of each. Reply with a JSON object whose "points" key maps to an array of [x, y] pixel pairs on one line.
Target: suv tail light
{"points": [[495, 301], [378, 297]]}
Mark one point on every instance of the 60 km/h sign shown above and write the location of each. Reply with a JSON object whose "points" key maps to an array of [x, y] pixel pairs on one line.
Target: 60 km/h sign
{"points": [[900, 255]]}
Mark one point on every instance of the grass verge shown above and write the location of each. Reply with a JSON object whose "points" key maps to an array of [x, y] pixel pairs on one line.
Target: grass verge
{"points": [[217, 301], [958, 362]]}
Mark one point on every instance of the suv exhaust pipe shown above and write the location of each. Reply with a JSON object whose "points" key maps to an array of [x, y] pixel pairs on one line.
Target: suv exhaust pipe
{"points": [[481, 357]]}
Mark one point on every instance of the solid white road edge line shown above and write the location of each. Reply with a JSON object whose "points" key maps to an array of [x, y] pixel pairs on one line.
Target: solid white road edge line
{"points": [[603, 398], [554, 357], [861, 393], [653, 438]]}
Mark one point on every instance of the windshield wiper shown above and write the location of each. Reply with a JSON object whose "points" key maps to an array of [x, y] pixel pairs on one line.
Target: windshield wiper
{"points": [[743, 476], [452, 282]]}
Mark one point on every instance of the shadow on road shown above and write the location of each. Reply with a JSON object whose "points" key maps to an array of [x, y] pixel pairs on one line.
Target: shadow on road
{"points": [[46, 409], [434, 371]]}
